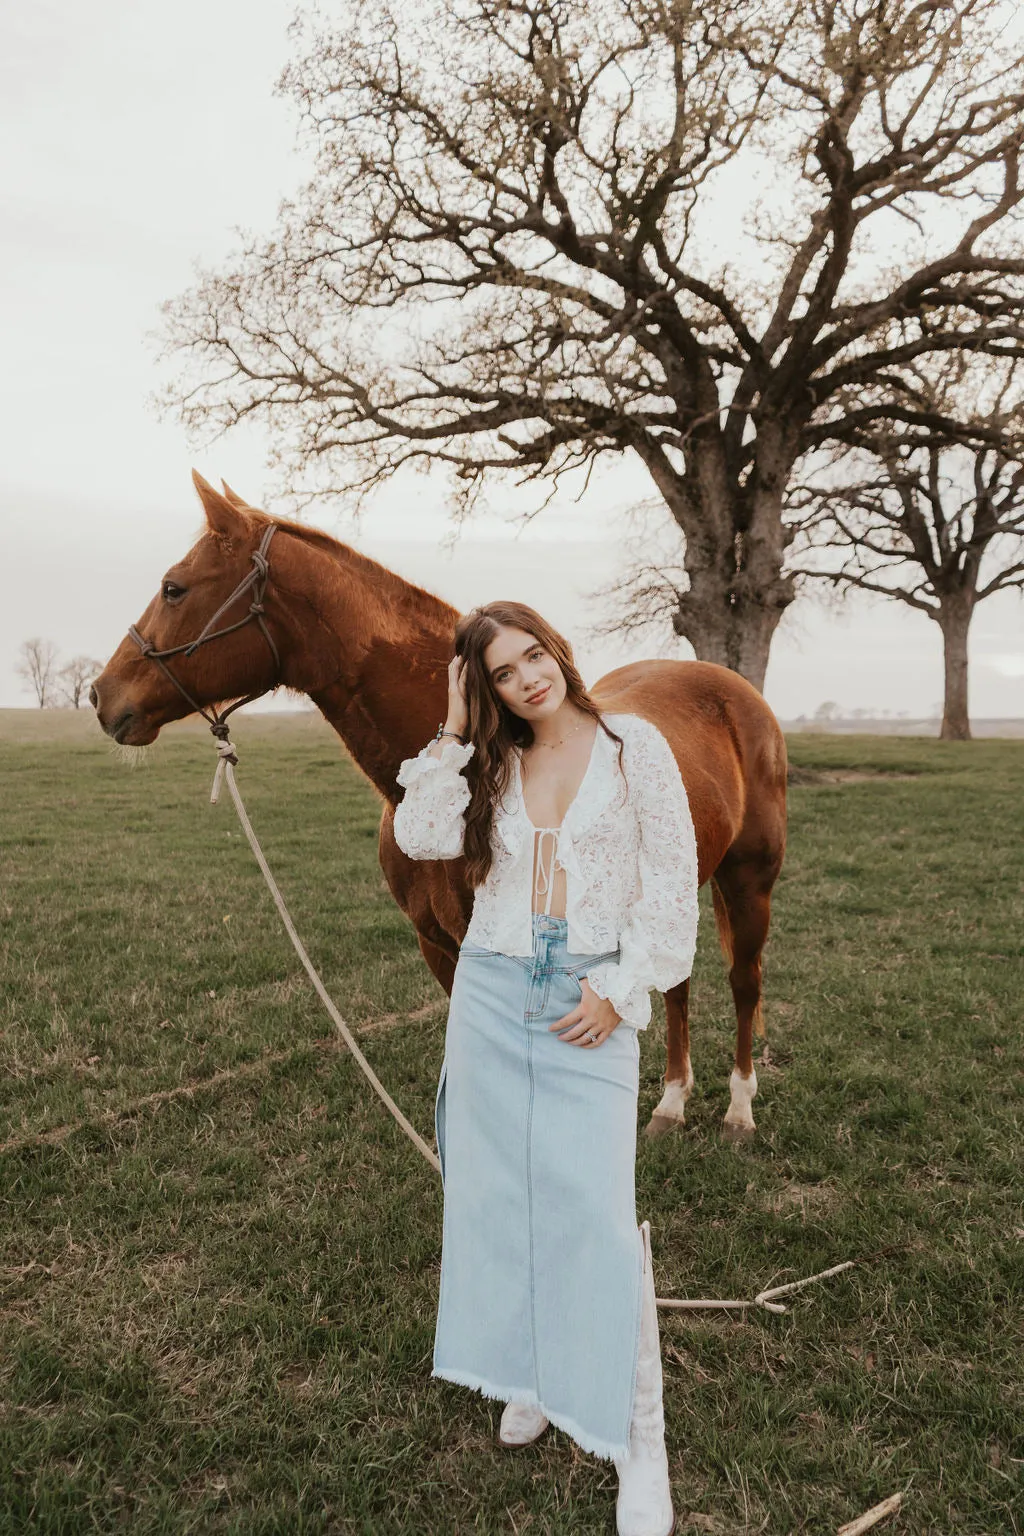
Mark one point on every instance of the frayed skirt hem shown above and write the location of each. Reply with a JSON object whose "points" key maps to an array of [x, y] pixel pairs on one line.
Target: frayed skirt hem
{"points": [[523, 1396]]}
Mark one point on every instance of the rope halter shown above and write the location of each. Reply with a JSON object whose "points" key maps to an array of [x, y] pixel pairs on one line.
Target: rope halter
{"points": [[256, 581]]}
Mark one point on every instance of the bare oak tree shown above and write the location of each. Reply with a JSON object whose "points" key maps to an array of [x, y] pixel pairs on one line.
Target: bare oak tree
{"points": [[928, 513], [518, 253], [37, 665], [74, 676]]}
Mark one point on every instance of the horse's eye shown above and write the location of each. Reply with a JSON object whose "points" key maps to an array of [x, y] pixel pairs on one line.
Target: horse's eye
{"points": [[171, 592]]}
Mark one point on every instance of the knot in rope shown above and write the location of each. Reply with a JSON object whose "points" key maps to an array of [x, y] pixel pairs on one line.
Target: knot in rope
{"points": [[256, 607], [145, 646], [226, 754]]}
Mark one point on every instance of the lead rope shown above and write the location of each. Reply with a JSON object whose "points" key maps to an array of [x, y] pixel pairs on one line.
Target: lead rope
{"points": [[227, 759]]}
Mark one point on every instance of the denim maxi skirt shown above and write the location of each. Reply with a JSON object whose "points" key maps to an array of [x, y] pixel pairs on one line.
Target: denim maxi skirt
{"points": [[541, 1266]]}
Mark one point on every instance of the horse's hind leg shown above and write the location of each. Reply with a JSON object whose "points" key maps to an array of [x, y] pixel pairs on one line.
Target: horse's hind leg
{"points": [[743, 904], [671, 1110]]}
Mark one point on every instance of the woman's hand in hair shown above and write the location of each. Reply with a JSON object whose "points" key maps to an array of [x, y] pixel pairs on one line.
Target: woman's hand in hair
{"points": [[458, 710], [590, 1022], [458, 713]]}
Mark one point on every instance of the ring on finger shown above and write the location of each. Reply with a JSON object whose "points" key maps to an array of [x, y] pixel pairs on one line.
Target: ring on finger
{"points": [[594, 1039]]}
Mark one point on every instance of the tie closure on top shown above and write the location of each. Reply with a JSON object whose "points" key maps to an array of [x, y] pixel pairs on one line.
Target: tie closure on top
{"points": [[545, 881]]}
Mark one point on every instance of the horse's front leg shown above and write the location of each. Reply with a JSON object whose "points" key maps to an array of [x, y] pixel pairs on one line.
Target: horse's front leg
{"points": [[439, 961], [671, 1110]]}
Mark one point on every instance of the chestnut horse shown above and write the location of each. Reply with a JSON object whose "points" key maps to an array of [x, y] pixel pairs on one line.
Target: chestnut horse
{"points": [[372, 651]]}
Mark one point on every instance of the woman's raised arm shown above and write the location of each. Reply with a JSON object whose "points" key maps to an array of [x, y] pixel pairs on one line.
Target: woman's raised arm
{"points": [[430, 819]]}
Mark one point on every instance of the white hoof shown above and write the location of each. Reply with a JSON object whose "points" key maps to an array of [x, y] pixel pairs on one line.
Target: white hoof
{"points": [[671, 1109], [739, 1118], [521, 1424]]}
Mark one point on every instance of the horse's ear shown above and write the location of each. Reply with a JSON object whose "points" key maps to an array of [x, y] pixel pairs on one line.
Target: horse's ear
{"points": [[223, 516], [234, 498]]}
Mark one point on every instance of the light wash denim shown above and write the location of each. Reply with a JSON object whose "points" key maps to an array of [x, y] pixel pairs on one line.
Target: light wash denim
{"points": [[541, 1266]]}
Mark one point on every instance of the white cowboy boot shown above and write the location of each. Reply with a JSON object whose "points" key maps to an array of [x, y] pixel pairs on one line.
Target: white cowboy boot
{"points": [[644, 1504], [521, 1425]]}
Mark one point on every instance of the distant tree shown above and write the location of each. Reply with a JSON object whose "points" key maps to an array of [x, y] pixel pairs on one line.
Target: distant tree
{"points": [[509, 259], [932, 513], [74, 676], [827, 711], [37, 665]]}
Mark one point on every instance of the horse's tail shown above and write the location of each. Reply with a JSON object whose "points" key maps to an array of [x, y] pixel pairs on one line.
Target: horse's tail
{"points": [[722, 922]]}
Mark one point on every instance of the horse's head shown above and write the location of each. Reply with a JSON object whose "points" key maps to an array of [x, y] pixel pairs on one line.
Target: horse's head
{"points": [[132, 696]]}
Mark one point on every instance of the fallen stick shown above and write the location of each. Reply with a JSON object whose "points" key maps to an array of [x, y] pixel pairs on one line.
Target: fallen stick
{"points": [[707, 1306], [797, 1285], [871, 1517], [765, 1299]]}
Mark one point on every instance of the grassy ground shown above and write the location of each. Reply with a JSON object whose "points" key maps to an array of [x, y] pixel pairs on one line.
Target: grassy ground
{"points": [[216, 1308]]}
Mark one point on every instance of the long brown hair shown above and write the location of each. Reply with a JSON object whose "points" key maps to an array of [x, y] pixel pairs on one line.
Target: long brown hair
{"points": [[493, 728]]}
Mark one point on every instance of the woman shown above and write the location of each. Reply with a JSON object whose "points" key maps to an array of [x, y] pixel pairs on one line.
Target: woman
{"points": [[578, 842]]}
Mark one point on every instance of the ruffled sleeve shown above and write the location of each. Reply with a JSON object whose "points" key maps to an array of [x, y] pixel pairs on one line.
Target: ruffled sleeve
{"points": [[658, 942], [430, 818]]}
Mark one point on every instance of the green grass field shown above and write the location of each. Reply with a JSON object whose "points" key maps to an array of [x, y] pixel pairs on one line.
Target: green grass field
{"points": [[217, 1288]]}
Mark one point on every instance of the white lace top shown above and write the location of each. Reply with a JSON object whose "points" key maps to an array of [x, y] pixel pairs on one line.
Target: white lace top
{"points": [[630, 860]]}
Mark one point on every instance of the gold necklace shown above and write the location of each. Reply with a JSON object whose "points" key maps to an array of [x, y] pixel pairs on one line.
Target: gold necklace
{"points": [[554, 744]]}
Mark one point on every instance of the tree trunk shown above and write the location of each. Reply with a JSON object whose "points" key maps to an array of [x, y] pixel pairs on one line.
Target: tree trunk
{"points": [[955, 621], [734, 554], [735, 602], [734, 638]]}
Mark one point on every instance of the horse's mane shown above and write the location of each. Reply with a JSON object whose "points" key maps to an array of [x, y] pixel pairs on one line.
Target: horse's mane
{"points": [[317, 536], [433, 609]]}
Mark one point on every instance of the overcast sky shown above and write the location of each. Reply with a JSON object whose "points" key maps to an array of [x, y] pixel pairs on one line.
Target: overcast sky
{"points": [[138, 136]]}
